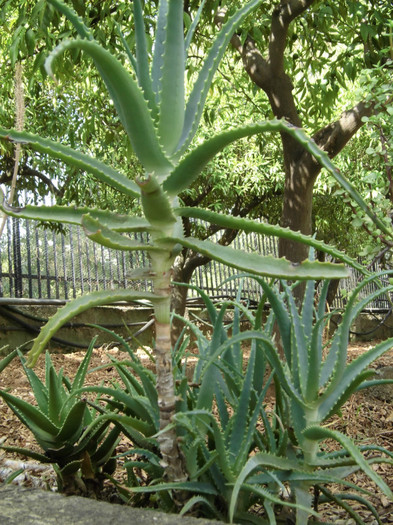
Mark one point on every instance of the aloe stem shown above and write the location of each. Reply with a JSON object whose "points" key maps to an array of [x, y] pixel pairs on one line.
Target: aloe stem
{"points": [[172, 458]]}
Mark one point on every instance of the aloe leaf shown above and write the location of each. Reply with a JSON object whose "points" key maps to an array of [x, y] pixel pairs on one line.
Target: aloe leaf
{"points": [[142, 57], [73, 425], [206, 419], [335, 362], [241, 415], [107, 448], [171, 90], [300, 364], [260, 265], [196, 101], [193, 26], [159, 47], [55, 391], [29, 453], [320, 433], [73, 215], [129, 102], [100, 234], [80, 375], [339, 500], [7, 359], [250, 226], [156, 204], [351, 375], [31, 416], [76, 21], [190, 486], [101, 171], [40, 391], [78, 306]]}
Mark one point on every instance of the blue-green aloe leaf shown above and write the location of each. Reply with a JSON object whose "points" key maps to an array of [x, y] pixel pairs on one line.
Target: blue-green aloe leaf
{"points": [[250, 226], [159, 47], [171, 94], [41, 426], [74, 215], [142, 65], [196, 101], [78, 306], [100, 234], [320, 433], [192, 28], [260, 265], [129, 102], [101, 171], [73, 17], [350, 376]]}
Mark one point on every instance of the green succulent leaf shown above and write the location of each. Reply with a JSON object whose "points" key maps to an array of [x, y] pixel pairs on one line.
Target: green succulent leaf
{"points": [[193, 26], [142, 58], [251, 226], [100, 234], [74, 215], [352, 376], [77, 22], [7, 359], [171, 94], [156, 204], [196, 101], [41, 426], [129, 102], [263, 265], [29, 453], [73, 424], [320, 433], [101, 171], [78, 306], [40, 390]]}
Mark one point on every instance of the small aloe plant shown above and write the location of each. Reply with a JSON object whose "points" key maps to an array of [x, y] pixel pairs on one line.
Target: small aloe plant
{"points": [[316, 380], [73, 439], [149, 97]]}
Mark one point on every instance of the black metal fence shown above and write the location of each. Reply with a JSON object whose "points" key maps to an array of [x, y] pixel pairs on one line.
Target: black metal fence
{"points": [[37, 263]]}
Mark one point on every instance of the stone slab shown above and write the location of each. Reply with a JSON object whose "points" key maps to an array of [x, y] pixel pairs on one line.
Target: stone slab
{"points": [[30, 506]]}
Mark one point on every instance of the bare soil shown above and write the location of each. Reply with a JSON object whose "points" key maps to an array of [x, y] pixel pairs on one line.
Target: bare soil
{"points": [[367, 418]]}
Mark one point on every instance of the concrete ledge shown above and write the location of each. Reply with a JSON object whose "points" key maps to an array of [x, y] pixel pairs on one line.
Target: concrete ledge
{"points": [[21, 325], [27, 506]]}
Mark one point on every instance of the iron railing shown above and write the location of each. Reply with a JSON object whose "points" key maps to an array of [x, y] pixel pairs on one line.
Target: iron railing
{"points": [[37, 263]]}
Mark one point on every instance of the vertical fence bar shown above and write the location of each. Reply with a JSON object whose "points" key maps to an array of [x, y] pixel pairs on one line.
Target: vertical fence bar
{"points": [[103, 267], [47, 269], [80, 260], [72, 263], [28, 258], [55, 268], [38, 262], [64, 261], [17, 258]]}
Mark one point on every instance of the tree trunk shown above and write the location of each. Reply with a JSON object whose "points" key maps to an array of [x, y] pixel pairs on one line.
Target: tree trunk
{"points": [[301, 169]]}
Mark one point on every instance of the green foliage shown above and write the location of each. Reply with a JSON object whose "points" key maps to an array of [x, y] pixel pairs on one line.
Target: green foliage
{"points": [[69, 433], [316, 380]]}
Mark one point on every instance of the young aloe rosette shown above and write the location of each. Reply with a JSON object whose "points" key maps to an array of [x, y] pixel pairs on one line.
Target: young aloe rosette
{"points": [[72, 438], [317, 380], [148, 94]]}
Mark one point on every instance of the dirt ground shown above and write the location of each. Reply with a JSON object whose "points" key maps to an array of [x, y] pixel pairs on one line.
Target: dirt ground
{"points": [[367, 418]]}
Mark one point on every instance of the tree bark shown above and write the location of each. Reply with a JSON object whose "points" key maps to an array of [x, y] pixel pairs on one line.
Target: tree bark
{"points": [[301, 169]]}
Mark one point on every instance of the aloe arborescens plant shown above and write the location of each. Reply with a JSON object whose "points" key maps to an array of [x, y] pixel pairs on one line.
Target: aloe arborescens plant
{"points": [[160, 124]]}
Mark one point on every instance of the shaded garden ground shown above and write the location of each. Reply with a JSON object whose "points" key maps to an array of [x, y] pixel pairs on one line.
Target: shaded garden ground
{"points": [[367, 418]]}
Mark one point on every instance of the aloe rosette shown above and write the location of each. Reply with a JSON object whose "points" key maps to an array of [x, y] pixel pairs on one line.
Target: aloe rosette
{"points": [[70, 433], [316, 380], [148, 94]]}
